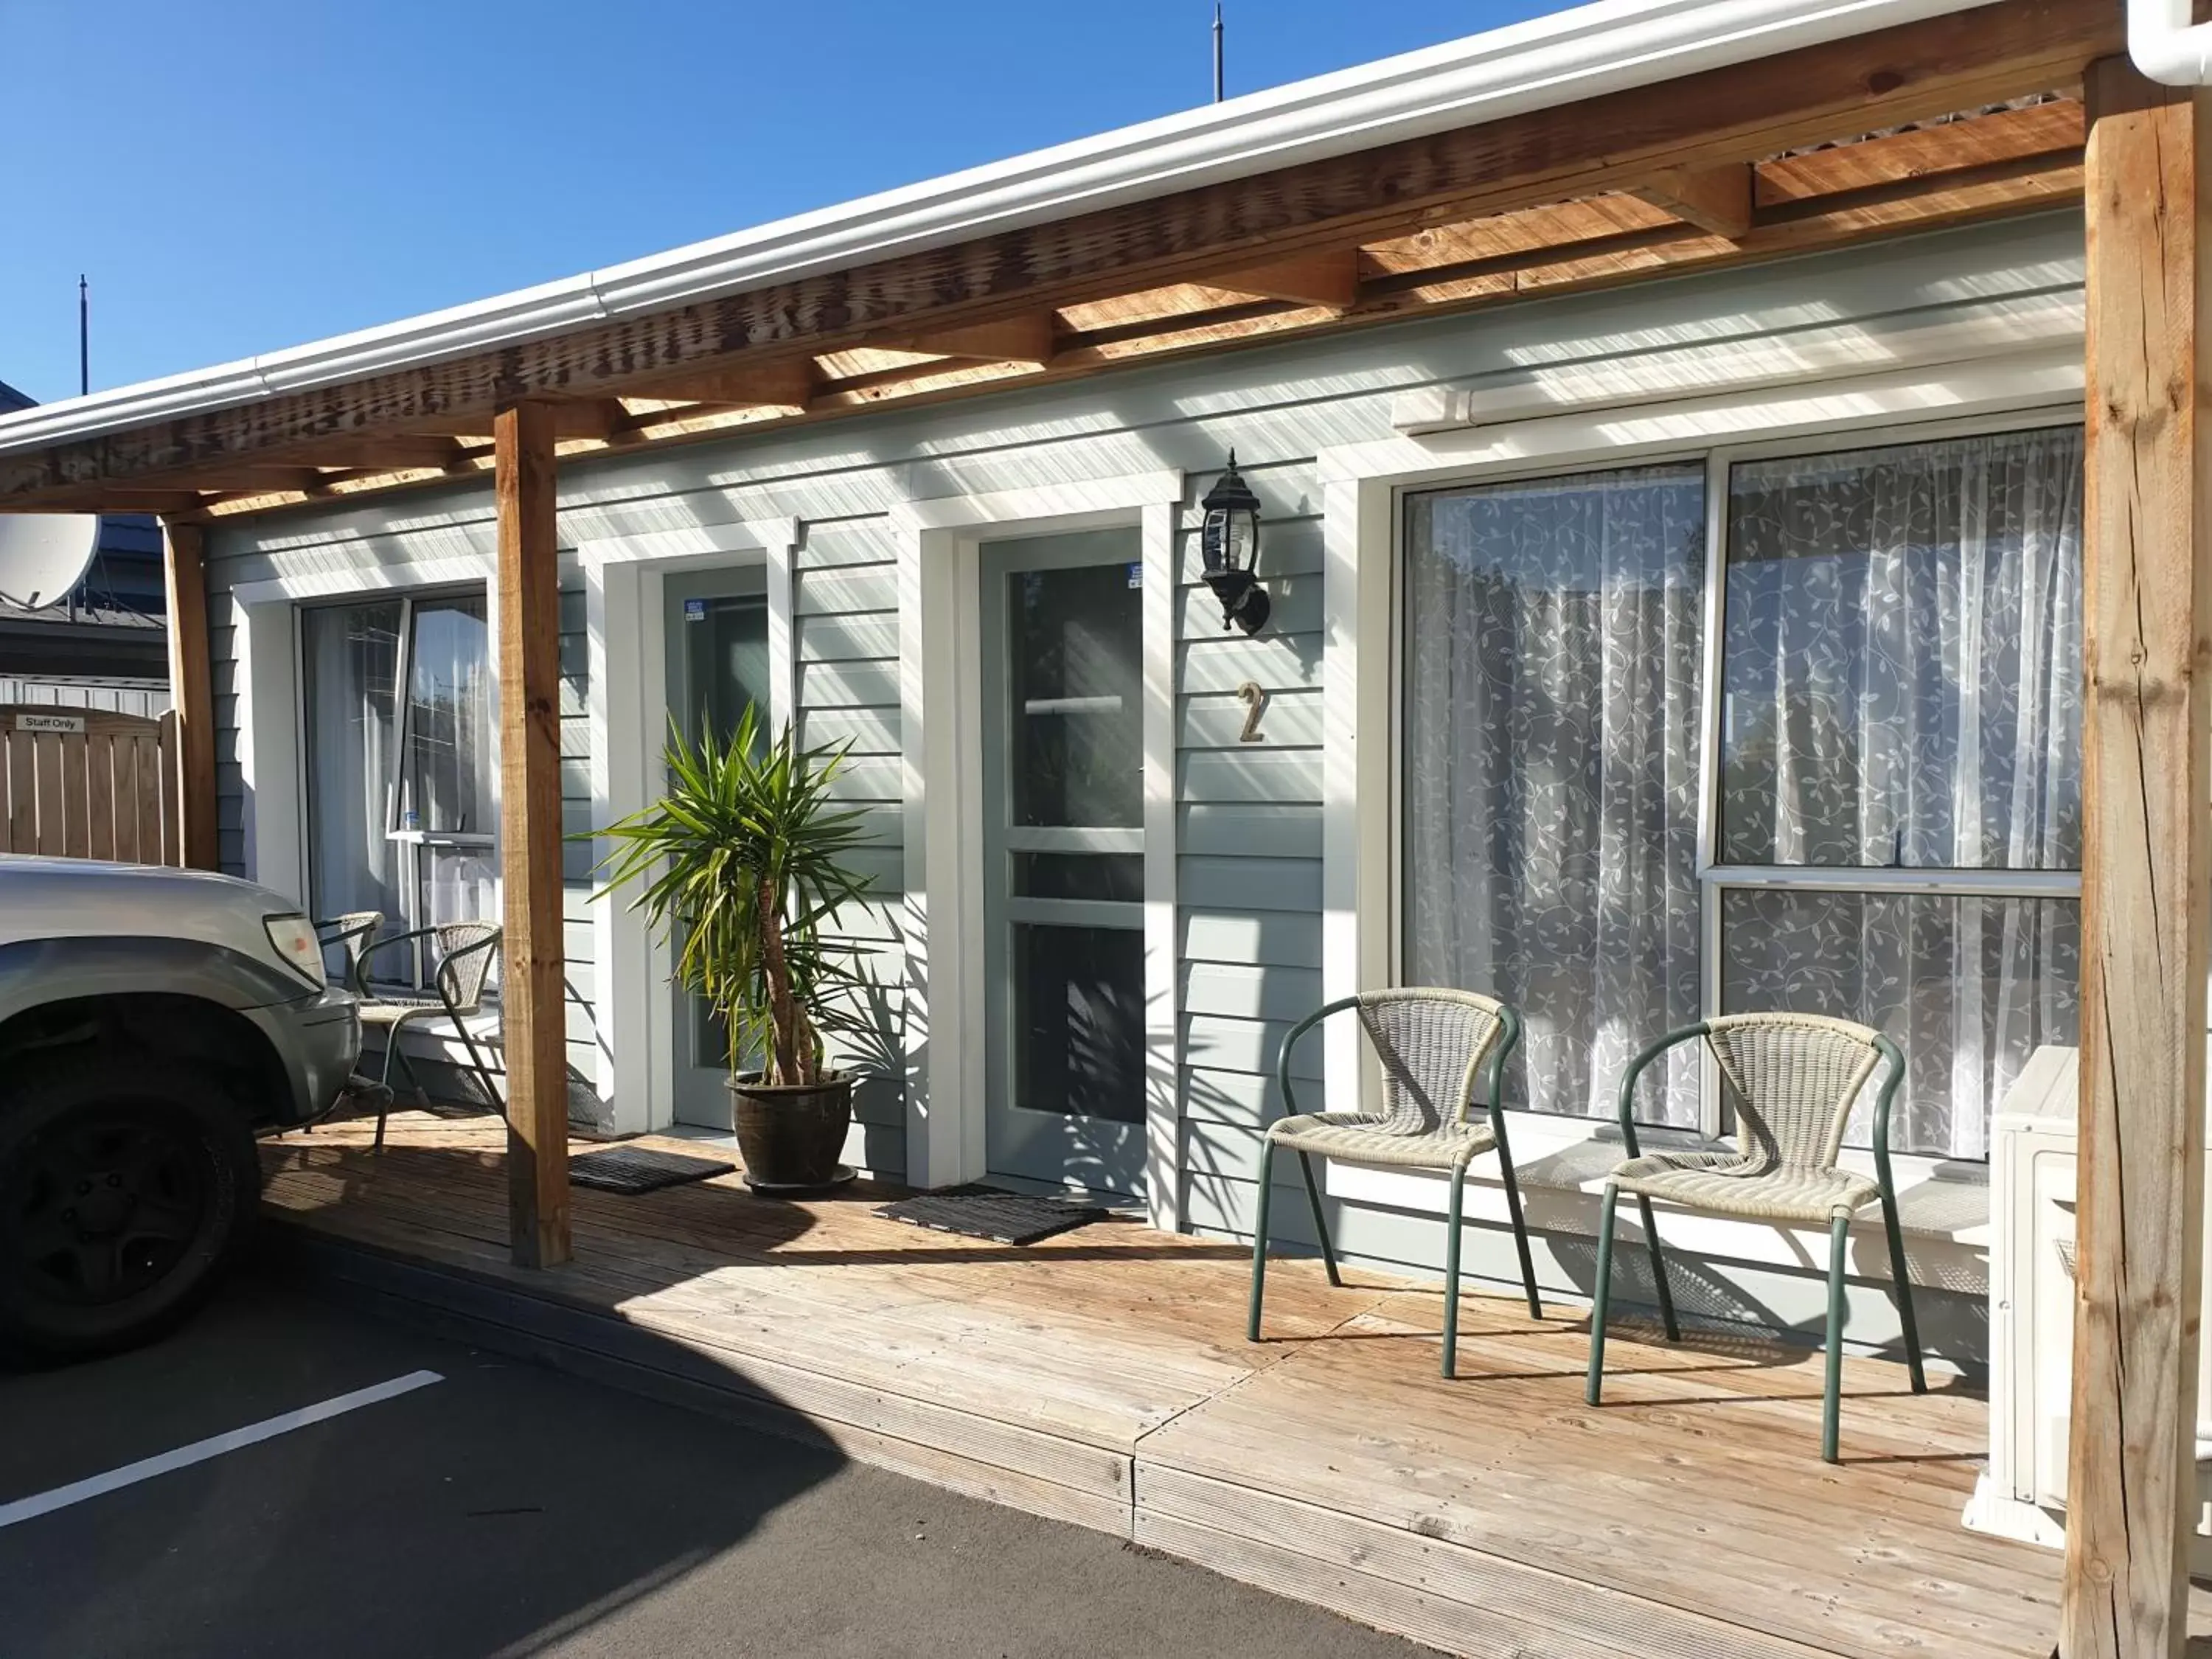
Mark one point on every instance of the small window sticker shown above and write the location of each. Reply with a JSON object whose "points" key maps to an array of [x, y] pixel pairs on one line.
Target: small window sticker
{"points": [[694, 610], [1136, 573]]}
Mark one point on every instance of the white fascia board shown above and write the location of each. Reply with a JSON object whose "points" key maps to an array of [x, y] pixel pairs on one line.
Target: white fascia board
{"points": [[1580, 53]]}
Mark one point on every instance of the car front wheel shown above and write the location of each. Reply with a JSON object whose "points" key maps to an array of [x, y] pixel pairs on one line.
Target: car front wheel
{"points": [[123, 1187]]}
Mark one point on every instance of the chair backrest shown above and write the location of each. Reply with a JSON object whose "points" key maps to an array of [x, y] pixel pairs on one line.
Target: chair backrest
{"points": [[353, 932], [467, 952], [1792, 1079], [1432, 1041]]}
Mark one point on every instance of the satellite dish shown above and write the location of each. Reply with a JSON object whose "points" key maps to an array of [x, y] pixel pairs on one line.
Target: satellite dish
{"points": [[44, 555]]}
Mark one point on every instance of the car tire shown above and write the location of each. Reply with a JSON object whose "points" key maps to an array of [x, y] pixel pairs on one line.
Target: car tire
{"points": [[126, 1186]]}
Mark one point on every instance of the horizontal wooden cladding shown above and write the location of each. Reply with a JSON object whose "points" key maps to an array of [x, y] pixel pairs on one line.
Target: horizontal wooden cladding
{"points": [[1278, 246]]}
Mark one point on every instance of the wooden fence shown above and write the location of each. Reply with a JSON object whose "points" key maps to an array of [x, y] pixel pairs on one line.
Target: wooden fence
{"points": [[83, 783]]}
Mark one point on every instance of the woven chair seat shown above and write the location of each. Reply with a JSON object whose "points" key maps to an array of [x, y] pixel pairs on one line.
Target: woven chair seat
{"points": [[1365, 1138], [1728, 1183]]}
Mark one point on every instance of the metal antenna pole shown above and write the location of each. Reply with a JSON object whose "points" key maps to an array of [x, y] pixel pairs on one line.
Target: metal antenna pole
{"points": [[1218, 93], [83, 334]]}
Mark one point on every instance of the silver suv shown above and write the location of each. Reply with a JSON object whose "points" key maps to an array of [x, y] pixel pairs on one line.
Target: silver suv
{"points": [[151, 1021]]}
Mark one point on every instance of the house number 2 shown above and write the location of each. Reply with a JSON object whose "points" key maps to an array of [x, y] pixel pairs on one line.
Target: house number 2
{"points": [[1255, 704]]}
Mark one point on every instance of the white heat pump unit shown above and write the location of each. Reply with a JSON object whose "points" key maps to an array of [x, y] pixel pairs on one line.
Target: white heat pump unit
{"points": [[2023, 1494]]}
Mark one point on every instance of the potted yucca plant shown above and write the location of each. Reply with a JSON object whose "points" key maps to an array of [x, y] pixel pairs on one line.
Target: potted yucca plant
{"points": [[739, 864]]}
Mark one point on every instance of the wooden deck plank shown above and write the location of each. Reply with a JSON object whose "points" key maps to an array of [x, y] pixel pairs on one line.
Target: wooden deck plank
{"points": [[1101, 1377]]}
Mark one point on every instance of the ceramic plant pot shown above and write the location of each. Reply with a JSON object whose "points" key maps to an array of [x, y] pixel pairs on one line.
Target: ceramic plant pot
{"points": [[791, 1136]]}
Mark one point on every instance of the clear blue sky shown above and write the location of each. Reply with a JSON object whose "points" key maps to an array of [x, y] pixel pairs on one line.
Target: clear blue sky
{"points": [[238, 175]]}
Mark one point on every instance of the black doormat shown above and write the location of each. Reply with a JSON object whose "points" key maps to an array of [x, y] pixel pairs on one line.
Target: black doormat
{"points": [[641, 1169], [978, 1212]]}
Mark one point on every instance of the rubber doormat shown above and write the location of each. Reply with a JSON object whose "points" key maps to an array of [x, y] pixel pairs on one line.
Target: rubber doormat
{"points": [[979, 1212], [641, 1169]]}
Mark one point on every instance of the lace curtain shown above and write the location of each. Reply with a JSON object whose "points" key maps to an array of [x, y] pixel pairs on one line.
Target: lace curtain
{"points": [[1901, 687], [1552, 656]]}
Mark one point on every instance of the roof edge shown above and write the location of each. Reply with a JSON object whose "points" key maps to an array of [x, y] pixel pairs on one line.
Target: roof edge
{"points": [[1582, 53]]}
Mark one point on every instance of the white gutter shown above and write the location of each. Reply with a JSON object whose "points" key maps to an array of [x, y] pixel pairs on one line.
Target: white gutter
{"points": [[1571, 55], [2166, 45]]}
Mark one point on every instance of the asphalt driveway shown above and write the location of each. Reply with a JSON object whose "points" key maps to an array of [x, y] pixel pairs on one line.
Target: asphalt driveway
{"points": [[500, 1509]]}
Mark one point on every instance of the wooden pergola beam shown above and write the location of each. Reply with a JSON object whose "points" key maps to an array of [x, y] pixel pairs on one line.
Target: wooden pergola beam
{"points": [[2146, 866], [1328, 278], [572, 417], [192, 693], [1717, 198], [1025, 339], [533, 1014], [1576, 262], [786, 383], [1735, 114]]}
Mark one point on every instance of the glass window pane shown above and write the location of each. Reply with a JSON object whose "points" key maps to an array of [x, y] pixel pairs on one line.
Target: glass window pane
{"points": [[1079, 1021], [1967, 987], [1552, 659], [1075, 652], [351, 658], [729, 665], [1115, 877], [446, 784], [1902, 657]]}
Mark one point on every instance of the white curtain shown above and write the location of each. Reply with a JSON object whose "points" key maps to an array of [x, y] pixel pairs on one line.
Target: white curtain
{"points": [[1552, 658], [352, 653], [1902, 688]]}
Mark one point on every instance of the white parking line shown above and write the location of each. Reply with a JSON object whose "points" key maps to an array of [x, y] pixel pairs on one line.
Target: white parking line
{"points": [[45, 1502]]}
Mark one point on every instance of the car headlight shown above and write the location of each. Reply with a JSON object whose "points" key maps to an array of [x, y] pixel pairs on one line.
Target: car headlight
{"points": [[294, 936]]}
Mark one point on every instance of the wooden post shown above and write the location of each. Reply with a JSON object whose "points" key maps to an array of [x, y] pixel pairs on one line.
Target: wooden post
{"points": [[2146, 862], [191, 694], [533, 1016]]}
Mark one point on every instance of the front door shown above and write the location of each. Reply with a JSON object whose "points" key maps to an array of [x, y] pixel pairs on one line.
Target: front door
{"points": [[1064, 865], [717, 632]]}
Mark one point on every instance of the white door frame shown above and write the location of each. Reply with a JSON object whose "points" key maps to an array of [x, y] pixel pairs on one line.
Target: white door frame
{"points": [[627, 701], [941, 700]]}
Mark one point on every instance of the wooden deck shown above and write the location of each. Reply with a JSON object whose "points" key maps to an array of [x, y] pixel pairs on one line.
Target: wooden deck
{"points": [[1102, 1378]]}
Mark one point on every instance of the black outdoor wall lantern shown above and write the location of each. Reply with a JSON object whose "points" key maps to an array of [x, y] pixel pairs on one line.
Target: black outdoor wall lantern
{"points": [[1231, 542]]}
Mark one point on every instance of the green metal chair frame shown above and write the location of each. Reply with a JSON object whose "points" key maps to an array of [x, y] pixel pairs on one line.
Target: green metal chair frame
{"points": [[467, 951], [1496, 1044], [1838, 1227]]}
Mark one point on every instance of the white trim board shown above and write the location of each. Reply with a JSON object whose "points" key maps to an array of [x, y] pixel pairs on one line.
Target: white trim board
{"points": [[271, 718], [941, 649], [626, 702]]}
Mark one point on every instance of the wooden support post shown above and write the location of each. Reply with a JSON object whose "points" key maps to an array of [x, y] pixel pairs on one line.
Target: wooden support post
{"points": [[191, 694], [533, 1018], [2147, 858]]}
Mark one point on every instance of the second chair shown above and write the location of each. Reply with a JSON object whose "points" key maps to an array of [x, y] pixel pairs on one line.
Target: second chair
{"points": [[1433, 1044]]}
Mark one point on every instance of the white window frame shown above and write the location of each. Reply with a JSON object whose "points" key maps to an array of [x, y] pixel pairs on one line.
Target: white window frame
{"points": [[1363, 489], [941, 700], [1714, 879], [627, 704], [410, 841]]}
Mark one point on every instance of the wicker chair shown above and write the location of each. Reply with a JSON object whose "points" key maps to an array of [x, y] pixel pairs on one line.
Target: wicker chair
{"points": [[1791, 1080], [466, 952], [352, 933], [1432, 1044]]}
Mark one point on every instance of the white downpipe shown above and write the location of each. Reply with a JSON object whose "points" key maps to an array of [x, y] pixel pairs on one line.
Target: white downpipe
{"points": [[2166, 45]]}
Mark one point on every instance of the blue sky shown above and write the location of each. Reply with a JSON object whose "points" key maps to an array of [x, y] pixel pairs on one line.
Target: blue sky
{"points": [[238, 175]]}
